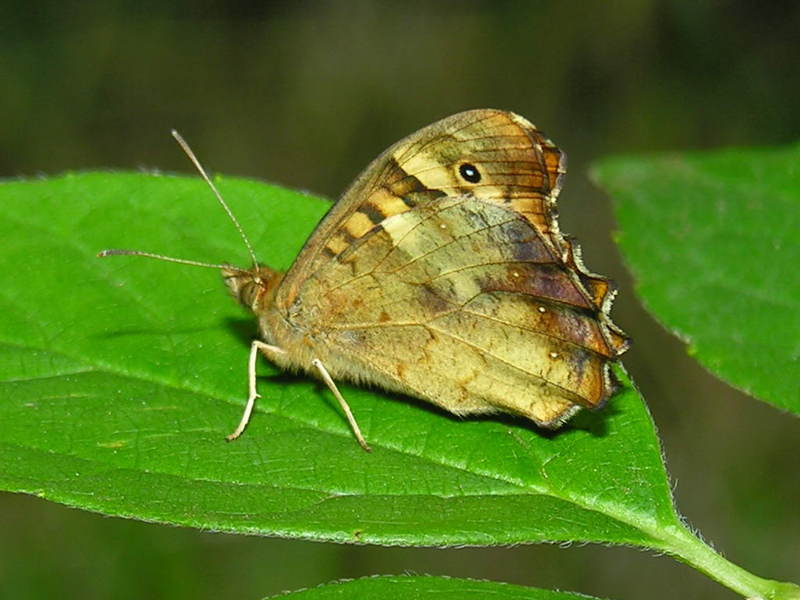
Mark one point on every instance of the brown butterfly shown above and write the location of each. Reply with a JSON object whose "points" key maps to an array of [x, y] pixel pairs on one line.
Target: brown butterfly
{"points": [[441, 274]]}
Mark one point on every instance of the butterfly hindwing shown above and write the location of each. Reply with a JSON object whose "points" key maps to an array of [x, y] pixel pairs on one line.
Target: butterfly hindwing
{"points": [[462, 303]]}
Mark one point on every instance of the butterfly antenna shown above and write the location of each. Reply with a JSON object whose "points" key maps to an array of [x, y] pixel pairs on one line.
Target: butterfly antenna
{"points": [[185, 147], [182, 261]]}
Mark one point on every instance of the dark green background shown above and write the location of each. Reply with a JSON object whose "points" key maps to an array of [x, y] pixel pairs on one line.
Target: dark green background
{"points": [[304, 94]]}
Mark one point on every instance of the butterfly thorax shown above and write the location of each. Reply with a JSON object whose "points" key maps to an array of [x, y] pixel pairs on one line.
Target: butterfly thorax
{"points": [[254, 288]]}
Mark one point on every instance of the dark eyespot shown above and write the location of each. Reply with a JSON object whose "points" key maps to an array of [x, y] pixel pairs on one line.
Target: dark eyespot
{"points": [[469, 173]]}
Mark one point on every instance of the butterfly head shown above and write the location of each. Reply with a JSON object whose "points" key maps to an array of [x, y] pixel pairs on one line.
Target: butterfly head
{"points": [[254, 288]]}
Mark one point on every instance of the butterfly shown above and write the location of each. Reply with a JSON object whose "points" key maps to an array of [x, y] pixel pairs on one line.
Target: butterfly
{"points": [[441, 274]]}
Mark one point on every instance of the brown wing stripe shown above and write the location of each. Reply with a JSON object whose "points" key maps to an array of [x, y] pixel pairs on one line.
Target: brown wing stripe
{"points": [[372, 212]]}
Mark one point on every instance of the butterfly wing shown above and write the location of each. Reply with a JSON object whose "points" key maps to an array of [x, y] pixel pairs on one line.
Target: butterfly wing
{"points": [[520, 168], [461, 293]]}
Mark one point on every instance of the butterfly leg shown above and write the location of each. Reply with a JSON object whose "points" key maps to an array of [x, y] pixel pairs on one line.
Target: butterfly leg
{"points": [[251, 377], [345, 407]]}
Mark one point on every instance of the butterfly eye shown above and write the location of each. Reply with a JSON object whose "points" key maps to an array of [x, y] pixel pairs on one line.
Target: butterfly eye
{"points": [[469, 173]]}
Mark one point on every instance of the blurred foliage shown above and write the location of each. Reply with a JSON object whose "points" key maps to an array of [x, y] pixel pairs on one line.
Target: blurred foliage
{"points": [[305, 94], [710, 238], [421, 587]]}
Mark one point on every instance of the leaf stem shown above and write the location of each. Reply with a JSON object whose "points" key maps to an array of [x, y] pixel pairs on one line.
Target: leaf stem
{"points": [[690, 549]]}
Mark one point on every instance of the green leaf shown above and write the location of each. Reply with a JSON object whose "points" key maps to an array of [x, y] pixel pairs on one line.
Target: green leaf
{"points": [[713, 241], [419, 587], [123, 375], [120, 377]]}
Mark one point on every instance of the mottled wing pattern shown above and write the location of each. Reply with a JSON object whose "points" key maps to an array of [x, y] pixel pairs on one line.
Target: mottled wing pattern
{"points": [[463, 303], [462, 293], [520, 168]]}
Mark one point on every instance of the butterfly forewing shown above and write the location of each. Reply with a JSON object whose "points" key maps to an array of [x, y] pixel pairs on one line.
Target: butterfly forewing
{"points": [[518, 166]]}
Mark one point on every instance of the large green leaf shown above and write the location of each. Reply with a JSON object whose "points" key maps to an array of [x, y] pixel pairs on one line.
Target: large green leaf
{"points": [[713, 240], [123, 375], [418, 587], [120, 378]]}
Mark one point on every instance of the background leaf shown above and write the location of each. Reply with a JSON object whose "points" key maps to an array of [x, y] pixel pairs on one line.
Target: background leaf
{"points": [[417, 587], [122, 376], [713, 240]]}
